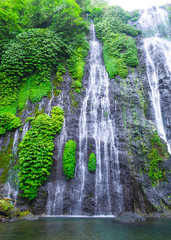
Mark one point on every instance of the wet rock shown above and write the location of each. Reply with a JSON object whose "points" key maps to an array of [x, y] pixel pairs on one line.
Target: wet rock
{"points": [[28, 216], [5, 207], [129, 217], [14, 213]]}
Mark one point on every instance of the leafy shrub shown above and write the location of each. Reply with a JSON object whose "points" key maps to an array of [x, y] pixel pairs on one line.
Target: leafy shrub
{"points": [[69, 159], [76, 63], [92, 162], [119, 50], [35, 52], [35, 158], [135, 15], [8, 121]]}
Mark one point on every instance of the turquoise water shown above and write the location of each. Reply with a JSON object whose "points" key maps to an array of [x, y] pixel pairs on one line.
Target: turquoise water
{"points": [[84, 229]]}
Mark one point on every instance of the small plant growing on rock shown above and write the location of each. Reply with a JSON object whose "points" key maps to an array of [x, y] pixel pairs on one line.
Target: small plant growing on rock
{"points": [[69, 159], [92, 162]]}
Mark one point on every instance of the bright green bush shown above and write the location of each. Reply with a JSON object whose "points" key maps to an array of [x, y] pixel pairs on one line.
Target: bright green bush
{"points": [[69, 159], [76, 63], [119, 50], [8, 121], [92, 162], [35, 158]]}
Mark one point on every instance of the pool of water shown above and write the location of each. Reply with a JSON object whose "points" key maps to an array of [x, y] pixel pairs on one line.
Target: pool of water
{"points": [[84, 229]]}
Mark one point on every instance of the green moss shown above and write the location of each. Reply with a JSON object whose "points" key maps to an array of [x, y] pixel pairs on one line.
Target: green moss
{"points": [[5, 207], [92, 162], [37, 111], [69, 159], [35, 158], [29, 119], [58, 79], [5, 157], [124, 117], [156, 155], [24, 214]]}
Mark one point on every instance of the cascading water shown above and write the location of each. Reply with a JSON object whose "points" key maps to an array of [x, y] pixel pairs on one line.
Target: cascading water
{"points": [[12, 189], [96, 128], [96, 124], [155, 22], [56, 195]]}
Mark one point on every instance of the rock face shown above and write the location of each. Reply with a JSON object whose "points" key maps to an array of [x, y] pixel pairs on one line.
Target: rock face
{"points": [[129, 217], [133, 120]]}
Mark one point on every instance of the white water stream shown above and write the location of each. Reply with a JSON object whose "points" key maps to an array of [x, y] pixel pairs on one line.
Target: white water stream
{"points": [[97, 124], [98, 127], [157, 48]]}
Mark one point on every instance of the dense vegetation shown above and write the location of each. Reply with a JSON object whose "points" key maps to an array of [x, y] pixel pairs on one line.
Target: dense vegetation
{"points": [[35, 158], [37, 36], [154, 154], [69, 159], [8, 121], [119, 49], [92, 162]]}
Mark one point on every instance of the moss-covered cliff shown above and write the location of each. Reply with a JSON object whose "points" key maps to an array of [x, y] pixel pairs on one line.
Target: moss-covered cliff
{"points": [[45, 63]]}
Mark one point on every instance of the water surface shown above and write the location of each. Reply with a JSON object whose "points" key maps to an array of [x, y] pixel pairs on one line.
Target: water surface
{"points": [[84, 229]]}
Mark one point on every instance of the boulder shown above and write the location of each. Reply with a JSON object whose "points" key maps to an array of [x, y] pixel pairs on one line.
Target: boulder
{"points": [[129, 217]]}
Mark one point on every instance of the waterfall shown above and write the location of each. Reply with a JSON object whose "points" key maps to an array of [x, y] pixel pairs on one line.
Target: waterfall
{"points": [[158, 62], [57, 189], [95, 123], [98, 193], [12, 190]]}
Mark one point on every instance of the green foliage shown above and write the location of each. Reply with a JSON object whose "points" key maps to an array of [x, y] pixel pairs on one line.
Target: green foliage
{"points": [[156, 155], [30, 58], [8, 121], [9, 20], [35, 158], [119, 50], [5, 206], [84, 4], [97, 13], [34, 52], [135, 15], [106, 114], [92, 162], [69, 159], [76, 63]]}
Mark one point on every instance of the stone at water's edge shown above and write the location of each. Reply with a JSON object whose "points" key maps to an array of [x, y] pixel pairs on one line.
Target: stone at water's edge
{"points": [[129, 217], [5, 207]]}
